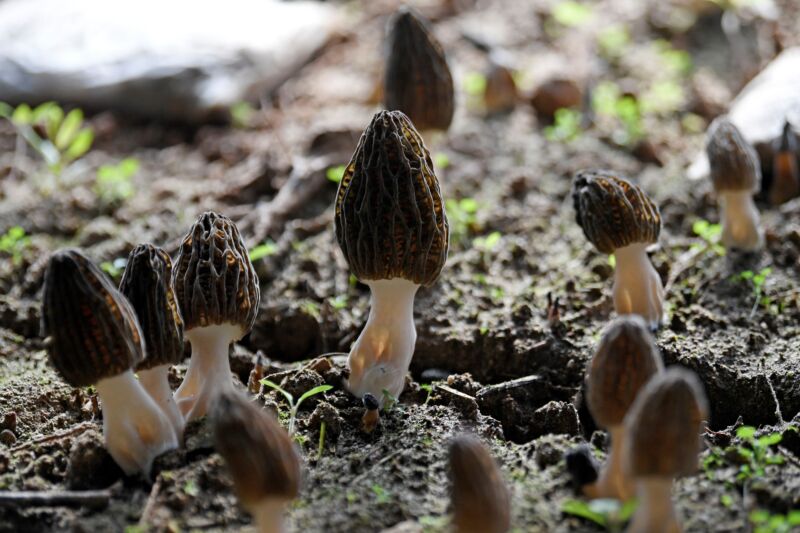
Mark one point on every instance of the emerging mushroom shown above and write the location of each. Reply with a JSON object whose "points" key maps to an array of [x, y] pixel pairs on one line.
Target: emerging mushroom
{"points": [[94, 338], [500, 95], [481, 501], [623, 363], [736, 175], [147, 284], [218, 294], [417, 80], [663, 426], [619, 218], [260, 457], [392, 228], [785, 172], [371, 417]]}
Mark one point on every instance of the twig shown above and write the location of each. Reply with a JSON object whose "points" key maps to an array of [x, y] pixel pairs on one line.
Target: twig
{"points": [[80, 428], [87, 498], [151, 503]]}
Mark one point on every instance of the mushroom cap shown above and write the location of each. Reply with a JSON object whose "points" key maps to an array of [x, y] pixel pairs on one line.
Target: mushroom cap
{"points": [[214, 280], [417, 79], [625, 360], [147, 284], [787, 142], [390, 220], [481, 501], [92, 328], [612, 211], [370, 402], [664, 425], [258, 452], [733, 161]]}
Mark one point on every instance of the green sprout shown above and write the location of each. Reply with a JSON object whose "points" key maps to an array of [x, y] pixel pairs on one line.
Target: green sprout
{"points": [[294, 406], [571, 14], [711, 235], [335, 174], [381, 495], [613, 40], [663, 97], [114, 268], [321, 445], [389, 400], [765, 522], [113, 183], [242, 114], [427, 387], [441, 160], [566, 126], [311, 308], [338, 302], [263, 250], [462, 216], [474, 83], [13, 243], [757, 280], [607, 513], [488, 242]]}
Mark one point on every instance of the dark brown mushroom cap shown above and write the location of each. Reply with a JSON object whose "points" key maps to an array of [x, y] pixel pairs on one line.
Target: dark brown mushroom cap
{"points": [[390, 219], [733, 162], [92, 329], [612, 211], [481, 501], [147, 284], [787, 142], [664, 425], [215, 282], [257, 450], [417, 79], [623, 363]]}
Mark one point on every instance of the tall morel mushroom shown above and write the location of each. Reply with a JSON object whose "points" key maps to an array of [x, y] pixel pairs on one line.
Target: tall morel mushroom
{"points": [[785, 169], [619, 218], [664, 426], [625, 360], [260, 457], [480, 498], [218, 294], [391, 226], [147, 284], [417, 79], [736, 175], [93, 337]]}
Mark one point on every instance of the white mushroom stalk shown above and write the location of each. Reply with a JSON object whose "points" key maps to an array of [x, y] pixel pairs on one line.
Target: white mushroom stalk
{"points": [[613, 482], [637, 286], [156, 382], [268, 515], [380, 357], [136, 430], [654, 510], [741, 225]]}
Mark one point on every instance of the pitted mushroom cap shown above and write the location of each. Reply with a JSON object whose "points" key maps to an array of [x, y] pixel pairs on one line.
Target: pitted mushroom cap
{"points": [[257, 450], [612, 211], [733, 161], [664, 425], [214, 280], [147, 284], [787, 142], [390, 219], [92, 329], [625, 360], [481, 501], [417, 80]]}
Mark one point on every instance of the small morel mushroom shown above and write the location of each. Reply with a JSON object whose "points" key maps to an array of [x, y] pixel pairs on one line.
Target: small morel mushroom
{"points": [[417, 80], [218, 294], [392, 228], [500, 94], [556, 94], [260, 457], [785, 172], [93, 337], [480, 498], [625, 360], [372, 415], [663, 425], [736, 175], [619, 218], [147, 284]]}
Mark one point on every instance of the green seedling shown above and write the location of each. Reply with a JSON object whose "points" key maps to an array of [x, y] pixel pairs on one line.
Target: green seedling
{"points": [[311, 308], [765, 522], [607, 513], [113, 184], [711, 235], [441, 160], [265, 249], [321, 445], [13, 243], [338, 302], [474, 84], [757, 280], [381, 495], [335, 174], [389, 400], [756, 453], [571, 14], [114, 268], [488, 242], [566, 126], [427, 387], [613, 41], [242, 114], [294, 406], [462, 216]]}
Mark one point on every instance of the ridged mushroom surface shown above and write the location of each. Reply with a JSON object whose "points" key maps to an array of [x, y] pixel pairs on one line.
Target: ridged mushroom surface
{"points": [[733, 161]]}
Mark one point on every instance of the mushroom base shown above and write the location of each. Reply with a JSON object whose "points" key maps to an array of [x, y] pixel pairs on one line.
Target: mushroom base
{"points": [[613, 483], [209, 372], [654, 512], [380, 357], [741, 226], [268, 515], [156, 382], [136, 430], [637, 286]]}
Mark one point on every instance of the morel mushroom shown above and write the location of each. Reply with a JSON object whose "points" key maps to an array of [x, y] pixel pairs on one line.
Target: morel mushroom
{"points": [[500, 94], [481, 501], [625, 360], [663, 426], [147, 284], [736, 175], [93, 337], [260, 457], [218, 294], [417, 80], [371, 416], [619, 218], [785, 172], [392, 228]]}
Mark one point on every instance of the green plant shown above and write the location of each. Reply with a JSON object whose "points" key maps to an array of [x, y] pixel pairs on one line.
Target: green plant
{"points": [[757, 280], [294, 406], [765, 522], [710, 234], [13, 243], [566, 126], [113, 183], [488, 242], [389, 400], [607, 513], [613, 41], [381, 495], [242, 114], [263, 250], [462, 216], [338, 302], [441, 160], [321, 445], [474, 84], [756, 453], [570, 13], [114, 268], [427, 387], [335, 174]]}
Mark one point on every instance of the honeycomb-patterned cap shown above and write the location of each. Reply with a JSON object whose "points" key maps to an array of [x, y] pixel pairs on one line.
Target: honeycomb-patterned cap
{"points": [[733, 161]]}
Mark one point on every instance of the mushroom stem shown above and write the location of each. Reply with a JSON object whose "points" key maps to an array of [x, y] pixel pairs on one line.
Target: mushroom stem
{"points": [[740, 221], [785, 178], [613, 483], [380, 357], [268, 515], [156, 382], [209, 371], [654, 512], [135, 429], [637, 285]]}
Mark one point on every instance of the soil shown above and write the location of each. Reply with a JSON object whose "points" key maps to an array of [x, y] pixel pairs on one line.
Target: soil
{"points": [[499, 368]]}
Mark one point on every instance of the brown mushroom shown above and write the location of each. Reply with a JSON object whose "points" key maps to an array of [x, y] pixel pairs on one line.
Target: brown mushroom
{"points": [[371, 417], [785, 172], [93, 337], [392, 228], [619, 218], [556, 94], [218, 294], [501, 94]]}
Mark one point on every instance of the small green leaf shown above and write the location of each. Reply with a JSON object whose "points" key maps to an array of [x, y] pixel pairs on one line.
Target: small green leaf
{"points": [[278, 388], [581, 509], [6, 110], [441, 161], [80, 145], [569, 13], [22, 115], [769, 440], [474, 83], [335, 174], [69, 129], [316, 390], [612, 260], [746, 432], [263, 250]]}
